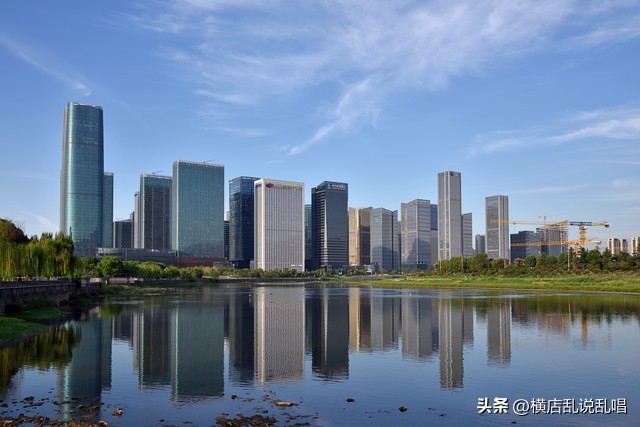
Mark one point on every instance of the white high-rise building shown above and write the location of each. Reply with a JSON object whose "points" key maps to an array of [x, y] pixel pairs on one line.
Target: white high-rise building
{"points": [[279, 241], [635, 245], [496, 214], [449, 215]]}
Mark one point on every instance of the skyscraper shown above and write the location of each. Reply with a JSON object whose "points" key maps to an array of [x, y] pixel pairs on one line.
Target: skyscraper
{"points": [[241, 221], [330, 225], [467, 235], [279, 225], [82, 177], [449, 215], [635, 245], [525, 243], [107, 211], [434, 234], [385, 239], [497, 227], [359, 236], [123, 233], [416, 234], [136, 220], [308, 238], [481, 244], [197, 214], [155, 211]]}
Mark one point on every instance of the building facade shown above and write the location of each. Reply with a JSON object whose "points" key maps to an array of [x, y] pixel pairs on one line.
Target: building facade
{"points": [[82, 178], [123, 234], [497, 227], [614, 245], [481, 245], [385, 239], [359, 237], [241, 225], [155, 211], [552, 239], [416, 235], [525, 243], [107, 210], [279, 225], [635, 245], [197, 214], [330, 225], [467, 235], [449, 215], [434, 234]]}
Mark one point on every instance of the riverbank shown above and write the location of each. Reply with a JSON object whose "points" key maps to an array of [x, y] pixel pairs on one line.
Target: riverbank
{"points": [[627, 283], [28, 318]]}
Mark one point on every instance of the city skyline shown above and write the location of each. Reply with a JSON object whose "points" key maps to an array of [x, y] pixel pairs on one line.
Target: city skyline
{"points": [[490, 90]]}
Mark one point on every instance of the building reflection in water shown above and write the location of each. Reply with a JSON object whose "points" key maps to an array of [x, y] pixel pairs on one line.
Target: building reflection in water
{"points": [[197, 353], [241, 337], [328, 318], [279, 333], [499, 332], [180, 344], [89, 371], [419, 327]]}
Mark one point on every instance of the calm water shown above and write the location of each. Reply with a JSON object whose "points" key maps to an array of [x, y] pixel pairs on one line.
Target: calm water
{"points": [[194, 356]]}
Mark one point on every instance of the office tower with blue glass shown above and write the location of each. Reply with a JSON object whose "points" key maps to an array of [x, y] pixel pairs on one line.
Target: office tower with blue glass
{"points": [[82, 204], [241, 221], [279, 225], [308, 238], [416, 234], [197, 214], [449, 215], [497, 227], [330, 225], [155, 211]]}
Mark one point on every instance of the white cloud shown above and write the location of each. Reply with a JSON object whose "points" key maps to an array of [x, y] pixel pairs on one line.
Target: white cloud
{"points": [[247, 53], [52, 70]]}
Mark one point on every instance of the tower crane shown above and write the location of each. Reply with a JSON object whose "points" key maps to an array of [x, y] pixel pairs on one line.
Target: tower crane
{"points": [[582, 241]]}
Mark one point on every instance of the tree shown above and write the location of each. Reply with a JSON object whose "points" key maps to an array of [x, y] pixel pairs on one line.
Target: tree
{"points": [[109, 267]]}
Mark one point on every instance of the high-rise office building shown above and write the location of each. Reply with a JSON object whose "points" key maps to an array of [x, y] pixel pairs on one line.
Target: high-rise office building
{"points": [[416, 234], [434, 233], [552, 239], [359, 237], [635, 245], [197, 214], [241, 221], [107, 210], [449, 215], [614, 245], [226, 235], [82, 178], [497, 227], [155, 211], [123, 233], [481, 244], [385, 239], [308, 239], [624, 245], [467, 235], [136, 220], [525, 243], [279, 225], [330, 225]]}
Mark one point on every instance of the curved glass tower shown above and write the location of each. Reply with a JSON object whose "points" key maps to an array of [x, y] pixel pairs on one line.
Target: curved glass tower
{"points": [[82, 177]]}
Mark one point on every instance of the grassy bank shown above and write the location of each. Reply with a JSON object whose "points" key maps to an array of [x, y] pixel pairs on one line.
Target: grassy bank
{"points": [[589, 283], [27, 318]]}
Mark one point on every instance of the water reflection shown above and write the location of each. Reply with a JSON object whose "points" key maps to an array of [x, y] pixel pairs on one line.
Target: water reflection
{"points": [[268, 333]]}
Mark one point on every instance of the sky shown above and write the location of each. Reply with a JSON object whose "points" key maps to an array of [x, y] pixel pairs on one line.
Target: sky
{"points": [[537, 100]]}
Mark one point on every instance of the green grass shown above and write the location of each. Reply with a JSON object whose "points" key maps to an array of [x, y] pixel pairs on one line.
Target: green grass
{"points": [[589, 283], [12, 328], [35, 310]]}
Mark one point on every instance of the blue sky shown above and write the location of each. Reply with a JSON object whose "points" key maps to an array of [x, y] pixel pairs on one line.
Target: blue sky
{"points": [[537, 100]]}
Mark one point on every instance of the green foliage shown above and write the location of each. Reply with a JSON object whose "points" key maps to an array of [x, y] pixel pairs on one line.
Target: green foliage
{"points": [[110, 266], [47, 256]]}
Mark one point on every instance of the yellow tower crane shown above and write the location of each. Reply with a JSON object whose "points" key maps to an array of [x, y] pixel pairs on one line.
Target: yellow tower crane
{"points": [[581, 242]]}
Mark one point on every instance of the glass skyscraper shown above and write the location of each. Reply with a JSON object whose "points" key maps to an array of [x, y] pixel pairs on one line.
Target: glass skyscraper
{"points": [[197, 215], [416, 234], [330, 225], [385, 239], [241, 221], [497, 215], [107, 211], [82, 207], [155, 211], [449, 215]]}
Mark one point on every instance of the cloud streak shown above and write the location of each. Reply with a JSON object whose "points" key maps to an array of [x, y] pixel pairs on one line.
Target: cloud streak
{"points": [[30, 58], [245, 54]]}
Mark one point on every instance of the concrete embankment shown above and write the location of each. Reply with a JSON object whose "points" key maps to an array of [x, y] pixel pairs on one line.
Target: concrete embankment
{"points": [[55, 290]]}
